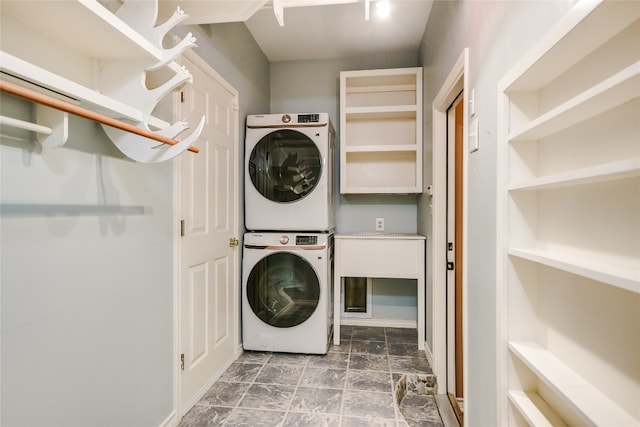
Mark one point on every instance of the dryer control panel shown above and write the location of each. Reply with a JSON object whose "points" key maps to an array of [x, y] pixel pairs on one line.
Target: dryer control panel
{"points": [[306, 240], [308, 118]]}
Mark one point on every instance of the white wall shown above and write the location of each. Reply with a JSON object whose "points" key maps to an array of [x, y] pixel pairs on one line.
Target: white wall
{"points": [[497, 33]]}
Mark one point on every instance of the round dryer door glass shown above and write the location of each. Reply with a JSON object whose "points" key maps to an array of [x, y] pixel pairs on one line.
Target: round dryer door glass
{"points": [[285, 166], [283, 290]]}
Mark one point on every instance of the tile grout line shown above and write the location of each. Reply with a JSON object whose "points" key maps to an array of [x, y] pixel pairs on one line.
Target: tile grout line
{"points": [[295, 389], [344, 386]]}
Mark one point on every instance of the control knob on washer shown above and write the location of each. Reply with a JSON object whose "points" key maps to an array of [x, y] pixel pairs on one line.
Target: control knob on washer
{"points": [[284, 239]]}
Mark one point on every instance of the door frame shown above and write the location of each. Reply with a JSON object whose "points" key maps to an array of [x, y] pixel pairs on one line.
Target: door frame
{"points": [[455, 235], [206, 67], [457, 81]]}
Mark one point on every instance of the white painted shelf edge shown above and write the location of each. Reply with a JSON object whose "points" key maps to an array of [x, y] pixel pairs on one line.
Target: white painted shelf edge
{"points": [[608, 94], [534, 409], [381, 148], [558, 51], [376, 89], [593, 406], [110, 37], [382, 190], [600, 173], [624, 278], [380, 110], [98, 102]]}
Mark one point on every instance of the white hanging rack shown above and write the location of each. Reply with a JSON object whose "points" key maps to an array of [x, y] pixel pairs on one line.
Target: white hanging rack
{"points": [[21, 124], [48, 101]]}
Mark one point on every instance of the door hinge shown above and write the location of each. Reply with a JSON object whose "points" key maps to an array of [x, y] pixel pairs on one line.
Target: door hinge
{"points": [[233, 242], [449, 246], [182, 362], [182, 228], [450, 265], [182, 96]]}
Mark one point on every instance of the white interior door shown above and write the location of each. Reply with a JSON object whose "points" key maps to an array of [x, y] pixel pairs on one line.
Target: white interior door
{"points": [[208, 260]]}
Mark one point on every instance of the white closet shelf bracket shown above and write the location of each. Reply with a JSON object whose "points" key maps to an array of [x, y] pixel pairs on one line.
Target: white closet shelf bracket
{"points": [[46, 101]]}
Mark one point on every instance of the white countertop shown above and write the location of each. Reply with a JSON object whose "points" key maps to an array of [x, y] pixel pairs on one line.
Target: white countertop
{"points": [[380, 235]]}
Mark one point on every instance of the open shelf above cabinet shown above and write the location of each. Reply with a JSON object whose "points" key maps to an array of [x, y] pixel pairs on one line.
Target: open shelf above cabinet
{"points": [[381, 131]]}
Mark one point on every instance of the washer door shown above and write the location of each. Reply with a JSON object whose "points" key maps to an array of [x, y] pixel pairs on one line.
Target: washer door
{"points": [[285, 166], [283, 290]]}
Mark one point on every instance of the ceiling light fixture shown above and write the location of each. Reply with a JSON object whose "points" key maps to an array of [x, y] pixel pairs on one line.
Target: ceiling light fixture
{"points": [[383, 9]]}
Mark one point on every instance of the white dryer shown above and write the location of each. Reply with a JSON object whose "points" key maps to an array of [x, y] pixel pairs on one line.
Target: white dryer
{"points": [[287, 289], [289, 172]]}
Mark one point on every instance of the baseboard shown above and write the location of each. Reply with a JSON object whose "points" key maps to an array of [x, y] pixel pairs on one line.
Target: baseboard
{"points": [[186, 407], [171, 421], [427, 352], [389, 323]]}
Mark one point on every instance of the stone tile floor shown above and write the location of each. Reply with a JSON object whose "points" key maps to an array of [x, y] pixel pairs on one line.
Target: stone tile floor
{"points": [[354, 384]]}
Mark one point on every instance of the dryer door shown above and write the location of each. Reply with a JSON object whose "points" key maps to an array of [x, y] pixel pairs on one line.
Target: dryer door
{"points": [[283, 290], [285, 166]]}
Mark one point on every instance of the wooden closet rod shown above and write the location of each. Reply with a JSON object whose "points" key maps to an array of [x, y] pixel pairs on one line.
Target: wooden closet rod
{"points": [[30, 95]]}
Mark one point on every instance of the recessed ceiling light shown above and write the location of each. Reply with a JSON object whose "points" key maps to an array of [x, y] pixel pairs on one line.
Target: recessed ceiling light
{"points": [[383, 9]]}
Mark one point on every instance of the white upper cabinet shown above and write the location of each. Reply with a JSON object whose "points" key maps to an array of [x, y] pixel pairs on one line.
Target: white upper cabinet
{"points": [[381, 131], [569, 223]]}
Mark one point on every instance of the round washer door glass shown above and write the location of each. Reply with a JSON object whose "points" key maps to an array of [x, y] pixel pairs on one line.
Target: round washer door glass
{"points": [[283, 290], [285, 166]]}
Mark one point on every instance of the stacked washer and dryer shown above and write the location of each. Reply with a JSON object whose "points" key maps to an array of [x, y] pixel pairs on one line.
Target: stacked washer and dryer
{"points": [[287, 265]]}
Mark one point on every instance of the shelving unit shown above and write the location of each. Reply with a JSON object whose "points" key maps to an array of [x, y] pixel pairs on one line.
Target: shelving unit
{"points": [[80, 52], [569, 234], [381, 131]]}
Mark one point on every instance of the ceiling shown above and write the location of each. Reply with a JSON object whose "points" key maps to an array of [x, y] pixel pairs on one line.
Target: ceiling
{"points": [[315, 29]]}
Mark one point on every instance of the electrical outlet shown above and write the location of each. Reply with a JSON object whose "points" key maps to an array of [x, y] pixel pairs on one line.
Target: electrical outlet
{"points": [[379, 224]]}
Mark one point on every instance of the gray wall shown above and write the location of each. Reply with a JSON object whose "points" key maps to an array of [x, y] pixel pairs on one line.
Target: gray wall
{"points": [[87, 294], [498, 33]]}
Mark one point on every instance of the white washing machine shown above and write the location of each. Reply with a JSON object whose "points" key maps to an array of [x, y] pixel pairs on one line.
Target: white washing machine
{"points": [[287, 289], [289, 172]]}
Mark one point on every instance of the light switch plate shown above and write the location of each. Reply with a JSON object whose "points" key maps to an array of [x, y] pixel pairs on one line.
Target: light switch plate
{"points": [[474, 143]]}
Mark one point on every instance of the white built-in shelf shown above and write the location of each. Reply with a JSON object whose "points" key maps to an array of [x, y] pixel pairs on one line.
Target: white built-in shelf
{"points": [[581, 32], [592, 406], [380, 149], [534, 409], [624, 278], [84, 26], [381, 88], [622, 169], [100, 63], [391, 111], [614, 91], [70, 91], [569, 253], [381, 131]]}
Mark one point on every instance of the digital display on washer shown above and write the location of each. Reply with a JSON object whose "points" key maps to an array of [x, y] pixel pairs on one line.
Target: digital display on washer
{"points": [[308, 118], [306, 240]]}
